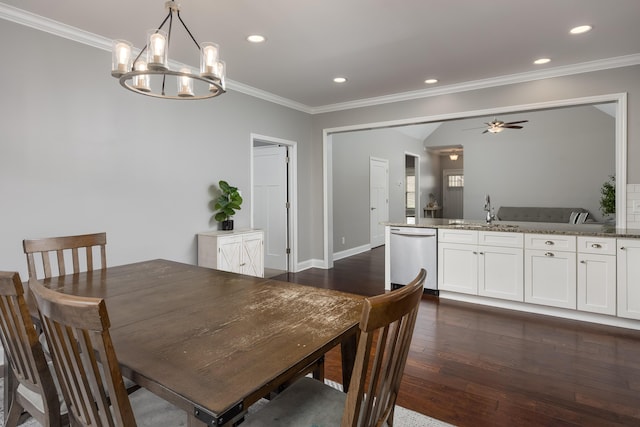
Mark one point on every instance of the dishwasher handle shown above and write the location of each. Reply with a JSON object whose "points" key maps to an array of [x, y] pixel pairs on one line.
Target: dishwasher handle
{"points": [[413, 232]]}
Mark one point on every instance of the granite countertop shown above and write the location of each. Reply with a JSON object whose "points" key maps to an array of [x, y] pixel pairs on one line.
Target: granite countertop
{"points": [[599, 230]]}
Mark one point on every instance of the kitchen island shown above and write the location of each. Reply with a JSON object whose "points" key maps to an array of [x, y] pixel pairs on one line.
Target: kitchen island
{"points": [[588, 272]]}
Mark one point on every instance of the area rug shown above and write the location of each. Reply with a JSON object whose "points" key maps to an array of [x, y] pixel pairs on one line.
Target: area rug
{"points": [[146, 404]]}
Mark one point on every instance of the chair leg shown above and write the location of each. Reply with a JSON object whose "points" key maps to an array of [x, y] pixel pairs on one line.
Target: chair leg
{"points": [[13, 415]]}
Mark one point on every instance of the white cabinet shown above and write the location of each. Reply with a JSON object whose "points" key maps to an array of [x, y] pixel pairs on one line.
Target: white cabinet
{"points": [[597, 275], [236, 251], [628, 256], [481, 263], [550, 270]]}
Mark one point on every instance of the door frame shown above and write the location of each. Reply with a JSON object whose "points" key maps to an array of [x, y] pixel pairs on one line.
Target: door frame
{"points": [[292, 192], [416, 166], [386, 163]]}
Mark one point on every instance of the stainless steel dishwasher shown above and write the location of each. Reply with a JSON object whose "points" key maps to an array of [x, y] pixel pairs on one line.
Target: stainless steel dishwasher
{"points": [[413, 248]]}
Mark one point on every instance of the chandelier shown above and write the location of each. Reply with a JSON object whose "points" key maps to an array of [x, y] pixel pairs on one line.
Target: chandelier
{"points": [[150, 74]]}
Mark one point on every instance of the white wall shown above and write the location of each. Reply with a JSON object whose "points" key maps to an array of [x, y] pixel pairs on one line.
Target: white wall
{"points": [[80, 154]]}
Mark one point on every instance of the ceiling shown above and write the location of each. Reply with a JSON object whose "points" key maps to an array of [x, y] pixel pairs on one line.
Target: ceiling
{"points": [[382, 47]]}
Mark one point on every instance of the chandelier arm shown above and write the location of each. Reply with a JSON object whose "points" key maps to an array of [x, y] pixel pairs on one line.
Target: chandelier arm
{"points": [[170, 18], [187, 29]]}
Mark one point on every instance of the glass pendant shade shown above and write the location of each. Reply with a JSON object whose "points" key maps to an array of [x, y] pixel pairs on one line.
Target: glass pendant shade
{"points": [[209, 54], [185, 84], [120, 57], [157, 50], [141, 82]]}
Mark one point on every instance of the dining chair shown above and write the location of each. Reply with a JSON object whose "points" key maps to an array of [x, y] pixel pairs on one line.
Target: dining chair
{"points": [[85, 361], [33, 388], [60, 245], [386, 328]]}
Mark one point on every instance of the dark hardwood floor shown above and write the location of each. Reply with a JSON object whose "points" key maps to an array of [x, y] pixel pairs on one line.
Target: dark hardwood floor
{"points": [[472, 365]]}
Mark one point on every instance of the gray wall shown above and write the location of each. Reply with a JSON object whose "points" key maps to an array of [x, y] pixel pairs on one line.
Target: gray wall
{"points": [[625, 79], [351, 153], [560, 158], [80, 154]]}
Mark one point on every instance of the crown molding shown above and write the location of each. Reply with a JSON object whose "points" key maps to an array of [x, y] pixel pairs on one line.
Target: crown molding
{"points": [[56, 28], [584, 67]]}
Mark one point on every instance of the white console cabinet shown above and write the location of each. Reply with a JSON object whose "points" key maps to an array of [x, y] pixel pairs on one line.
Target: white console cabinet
{"points": [[239, 251]]}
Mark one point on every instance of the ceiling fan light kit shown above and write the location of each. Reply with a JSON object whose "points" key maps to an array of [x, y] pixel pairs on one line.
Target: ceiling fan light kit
{"points": [[497, 126], [148, 75]]}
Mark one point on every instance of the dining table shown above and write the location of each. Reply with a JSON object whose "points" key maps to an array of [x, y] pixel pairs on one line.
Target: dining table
{"points": [[212, 342]]}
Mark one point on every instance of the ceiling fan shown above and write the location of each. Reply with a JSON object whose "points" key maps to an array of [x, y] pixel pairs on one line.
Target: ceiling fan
{"points": [[497, 126]]}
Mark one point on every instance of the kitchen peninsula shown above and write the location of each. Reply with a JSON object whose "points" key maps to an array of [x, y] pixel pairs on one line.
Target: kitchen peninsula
{"points": [[587, 272]]}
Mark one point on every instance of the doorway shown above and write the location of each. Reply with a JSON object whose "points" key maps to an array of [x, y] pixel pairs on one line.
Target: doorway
{"points": [[412, 188], [453, 193], [378, 199], [273, 201]]}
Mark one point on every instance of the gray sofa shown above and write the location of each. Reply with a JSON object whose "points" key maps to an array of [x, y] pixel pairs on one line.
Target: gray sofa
{"points": [[537, 214]]}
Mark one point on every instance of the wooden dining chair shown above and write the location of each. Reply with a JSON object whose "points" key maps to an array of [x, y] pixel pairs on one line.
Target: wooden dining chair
{"points": [[33, 389], [73, 244], [386, 328], [85, 362]]}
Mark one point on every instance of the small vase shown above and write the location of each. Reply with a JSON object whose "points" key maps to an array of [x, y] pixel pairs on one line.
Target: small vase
{"points": [[227, 225]]}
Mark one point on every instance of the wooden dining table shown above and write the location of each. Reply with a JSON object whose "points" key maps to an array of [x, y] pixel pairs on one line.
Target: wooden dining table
{"points": [[212, 342]]}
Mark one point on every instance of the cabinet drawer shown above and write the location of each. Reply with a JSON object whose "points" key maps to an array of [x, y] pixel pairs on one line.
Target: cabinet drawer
{"points": [[597, 245], [504, 239], [458, 236], [550, 242]]}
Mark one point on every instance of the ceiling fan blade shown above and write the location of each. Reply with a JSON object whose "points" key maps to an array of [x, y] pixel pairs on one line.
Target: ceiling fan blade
{"points": [[512, 127], [513, 123], [485, 131]]}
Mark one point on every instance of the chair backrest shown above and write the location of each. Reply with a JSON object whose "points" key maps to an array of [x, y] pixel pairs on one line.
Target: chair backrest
{"points": [[387, 323], [61, 244], [77, 331], [23, 350]]}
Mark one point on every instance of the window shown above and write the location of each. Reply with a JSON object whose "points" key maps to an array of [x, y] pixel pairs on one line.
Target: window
{"points": [[456, 181], [410, 193]]}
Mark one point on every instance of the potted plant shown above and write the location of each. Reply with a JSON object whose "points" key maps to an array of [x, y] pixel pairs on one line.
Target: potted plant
{"points": [[227, 204], [608, 197]]}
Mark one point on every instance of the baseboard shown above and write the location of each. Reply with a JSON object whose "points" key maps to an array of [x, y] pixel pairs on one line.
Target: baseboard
{"points": [[350, 252]]}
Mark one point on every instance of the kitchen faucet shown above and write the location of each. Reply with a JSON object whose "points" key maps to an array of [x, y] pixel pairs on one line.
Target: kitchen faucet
{"points": [[487, 207]]}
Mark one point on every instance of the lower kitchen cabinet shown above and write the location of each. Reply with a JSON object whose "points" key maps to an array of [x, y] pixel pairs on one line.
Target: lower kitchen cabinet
{"points": [[235, 251], [628, 259], [550, 270], [597, 275]]}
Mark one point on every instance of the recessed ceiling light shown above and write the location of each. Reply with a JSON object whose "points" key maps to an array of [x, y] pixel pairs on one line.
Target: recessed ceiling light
{"points": [[581, 29], [541, 61], [431, 81], [340, 79], [256, 38]]}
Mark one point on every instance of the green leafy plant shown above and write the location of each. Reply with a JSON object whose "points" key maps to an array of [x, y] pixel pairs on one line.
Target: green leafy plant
{"points": [[608, 196], [228, 203]]}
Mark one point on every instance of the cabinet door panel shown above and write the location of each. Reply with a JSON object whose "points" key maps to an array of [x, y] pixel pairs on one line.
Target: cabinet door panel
{"points": [[629, 278], [500, 273], [597, 283], [230, 254], [252, 255], [458, 268], [550, 278]]}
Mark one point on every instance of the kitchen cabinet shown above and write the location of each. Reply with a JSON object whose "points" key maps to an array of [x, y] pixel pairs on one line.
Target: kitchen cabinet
{"points": [[596, 281], [481, 263], [239, 251], [628, 279], [550, 270]]}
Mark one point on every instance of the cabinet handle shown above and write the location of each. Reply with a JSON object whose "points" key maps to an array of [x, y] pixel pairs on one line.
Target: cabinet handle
{"points": [[596, 245], [548, 254], [475, 253], [548, 242], [243, 264], [481, 253], [583, 262], [622, 248]]}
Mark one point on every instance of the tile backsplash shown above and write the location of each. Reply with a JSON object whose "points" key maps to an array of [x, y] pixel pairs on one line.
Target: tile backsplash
{"points": [[633, 206]]}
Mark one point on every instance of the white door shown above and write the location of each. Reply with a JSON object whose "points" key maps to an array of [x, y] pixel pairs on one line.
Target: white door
{"points": [[378, 199], [452, 193], [270, 202]]}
